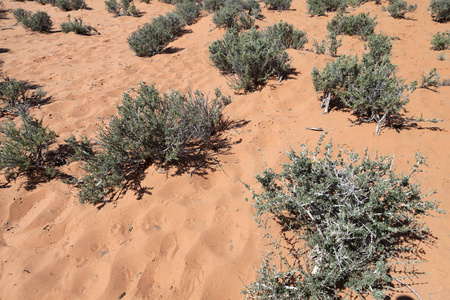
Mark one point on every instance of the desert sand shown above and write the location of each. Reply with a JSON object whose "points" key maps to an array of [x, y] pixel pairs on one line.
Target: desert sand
{"points": [[194, 237]]}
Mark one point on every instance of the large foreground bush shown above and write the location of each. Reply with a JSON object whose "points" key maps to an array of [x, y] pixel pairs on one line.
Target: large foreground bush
{"points": [[350, 226], [148, 128]]}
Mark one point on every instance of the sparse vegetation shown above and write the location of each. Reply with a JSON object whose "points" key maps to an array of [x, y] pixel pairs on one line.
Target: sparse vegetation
{"points": [[39, 21], [153, 37], [236, 14], [77, 27], [25, 150], [148, 128], [249, 58], [346, 222], [122, 8], [278, 4], [441, 41], [441, 56], [67, 5], [430, 80], [15, 96], [322, 7], [361, 25], [440, 10], [398, 8]]}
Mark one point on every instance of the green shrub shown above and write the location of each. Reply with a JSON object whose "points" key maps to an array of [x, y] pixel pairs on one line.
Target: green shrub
{"points": [[441, 41], [188, 11], [122, 8], [321, 7], [233, 15], [361, 25], [66, 5], [286, 36], [430, 80], [39, 21], [148, 128], [346, 222], [213, 5], [440, 10], [15, 96], [278, 4], [320, 48], [250, 58], [398, 8], [26, 149], [441, 56], [379, 45], [153, 37], [77, 27]]}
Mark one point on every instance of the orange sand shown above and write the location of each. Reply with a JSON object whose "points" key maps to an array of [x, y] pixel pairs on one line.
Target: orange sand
{"points": [[193, 237]]}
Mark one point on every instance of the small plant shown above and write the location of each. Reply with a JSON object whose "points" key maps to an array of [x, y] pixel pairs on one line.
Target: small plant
{"points": [[122, 8], [15, 96], [320, 48], [430, 80], [236, 14], [39, 21], [66, 5], [346, 222], [361, 25], [25, 150], [188, 11], [441, 56], [441, 41], [330, 45], [322, 7], [153, 37], [250, 58], [77, 27], [398, 8], [148, 128], [278, 4], [440, 10], [286, 36]]}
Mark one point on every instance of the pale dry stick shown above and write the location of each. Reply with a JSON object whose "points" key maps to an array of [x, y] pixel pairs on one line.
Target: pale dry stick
{"points": [[410, 288]]}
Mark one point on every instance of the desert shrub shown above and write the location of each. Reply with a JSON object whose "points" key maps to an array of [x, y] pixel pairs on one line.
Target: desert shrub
{"points": [[379, 45], [148, 128], [320, 48], [250, 58], [441, 41], [370, 87], [233, 15], [146, 1], [398, 8], [26, 149], [122, 8], [286, 36], [66, 5], [153, 37], [440, 10], [346, 222], [77, 27], [361, 25], [188, 11], [39, 21], [15, 96], [430, 80], [278, 4], [213, 5], [333, 44], [321, 7], [441, 56]]}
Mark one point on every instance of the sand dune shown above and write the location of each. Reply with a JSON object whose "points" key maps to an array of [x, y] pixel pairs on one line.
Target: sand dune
{"points": [[192, 237]]}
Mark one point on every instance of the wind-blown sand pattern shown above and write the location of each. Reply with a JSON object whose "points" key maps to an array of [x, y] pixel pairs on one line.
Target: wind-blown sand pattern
{"points": [[193, 237]]}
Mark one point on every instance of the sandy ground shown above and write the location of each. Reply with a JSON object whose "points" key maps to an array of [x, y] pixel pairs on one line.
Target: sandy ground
{"points": [[193, 237]]}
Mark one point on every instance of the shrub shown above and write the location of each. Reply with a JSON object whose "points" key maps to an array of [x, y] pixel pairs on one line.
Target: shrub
{"points": [[213, 5], [441, 41], [346, 222], [77, 27], [146, 1], [26, 149], [250, 58], [67, 5], [15, 96], [430, 80], [321, 7], [398, 8], [153, 37], [278, 4], [39, 21], [441, 56], [188, 11], [360, 24], [233, 15], [379, 45], [286, 36], [147, 129], [122, 8], [440, 10]]}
